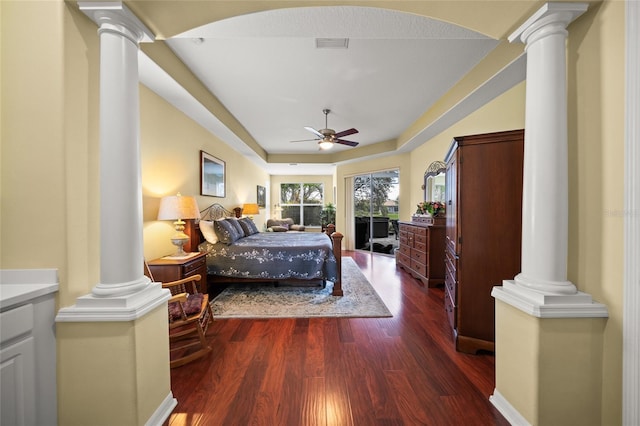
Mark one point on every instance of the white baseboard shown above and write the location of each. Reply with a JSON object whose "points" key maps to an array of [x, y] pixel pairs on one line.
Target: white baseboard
{"points": [[507, 410], [163, 412]]}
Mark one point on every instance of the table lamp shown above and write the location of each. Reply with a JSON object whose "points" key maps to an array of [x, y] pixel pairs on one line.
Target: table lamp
{"points": [[250, 209], [178, 207]]}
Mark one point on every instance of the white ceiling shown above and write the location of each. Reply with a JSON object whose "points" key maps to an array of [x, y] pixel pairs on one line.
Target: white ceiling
{"points": [[266, 70]]}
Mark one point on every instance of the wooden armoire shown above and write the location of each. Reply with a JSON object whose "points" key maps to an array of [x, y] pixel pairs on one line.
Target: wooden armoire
{"points": [[483, 188]]}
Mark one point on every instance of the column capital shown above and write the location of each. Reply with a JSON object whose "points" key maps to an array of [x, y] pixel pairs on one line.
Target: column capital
{"points": [[558, 15], [114, 16]]}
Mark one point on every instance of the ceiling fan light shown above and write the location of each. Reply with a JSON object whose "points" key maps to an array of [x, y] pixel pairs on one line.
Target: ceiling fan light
{"points": [[324, 145]]}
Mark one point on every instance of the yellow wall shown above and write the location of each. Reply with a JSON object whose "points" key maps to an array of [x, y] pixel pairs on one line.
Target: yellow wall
{"points": [[170, 152], [49, 214], [49, 185], [506, 112], [596, 175]]}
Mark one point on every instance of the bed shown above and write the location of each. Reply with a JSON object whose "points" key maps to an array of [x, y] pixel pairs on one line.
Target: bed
{"points": [[268, 256]]}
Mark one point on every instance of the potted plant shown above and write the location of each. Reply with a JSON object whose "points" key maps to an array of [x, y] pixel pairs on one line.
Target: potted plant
{"points": [[432, 208], [328, 215]]}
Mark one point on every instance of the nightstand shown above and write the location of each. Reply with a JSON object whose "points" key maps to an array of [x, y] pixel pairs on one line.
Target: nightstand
{"points": [[166, 270]]}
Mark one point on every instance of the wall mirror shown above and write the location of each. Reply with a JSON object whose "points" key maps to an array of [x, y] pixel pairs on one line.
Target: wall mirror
{"points": [[433, 185]]}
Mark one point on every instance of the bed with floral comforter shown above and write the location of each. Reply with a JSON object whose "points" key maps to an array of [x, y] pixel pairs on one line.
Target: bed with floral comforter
{"points": [[272, 256]]}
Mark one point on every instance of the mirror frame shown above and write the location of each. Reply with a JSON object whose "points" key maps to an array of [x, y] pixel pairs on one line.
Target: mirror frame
{"points": [[434, 169]]}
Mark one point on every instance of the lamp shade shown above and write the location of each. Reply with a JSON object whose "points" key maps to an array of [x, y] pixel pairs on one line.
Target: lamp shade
{"points": [[178, 207], [250, 208]]}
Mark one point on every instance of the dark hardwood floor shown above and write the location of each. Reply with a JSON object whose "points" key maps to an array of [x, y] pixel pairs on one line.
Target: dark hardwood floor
{"points": [[402, 370]]}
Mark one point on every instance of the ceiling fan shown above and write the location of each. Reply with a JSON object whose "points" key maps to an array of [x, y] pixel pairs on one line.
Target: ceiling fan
{"points": [[327, 137]]}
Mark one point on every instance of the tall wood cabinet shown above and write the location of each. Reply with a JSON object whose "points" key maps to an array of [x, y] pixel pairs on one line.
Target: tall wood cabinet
{"points": [[421, 251], [483, 188]]}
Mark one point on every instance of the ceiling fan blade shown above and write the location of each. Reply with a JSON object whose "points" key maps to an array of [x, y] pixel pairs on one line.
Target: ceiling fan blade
{"points": [[315, 132], [346, 133], [304, 140], [344, 142]]}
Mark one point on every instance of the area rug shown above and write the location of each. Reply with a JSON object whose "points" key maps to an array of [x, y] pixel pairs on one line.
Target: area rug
{"points": [[290, 301]]}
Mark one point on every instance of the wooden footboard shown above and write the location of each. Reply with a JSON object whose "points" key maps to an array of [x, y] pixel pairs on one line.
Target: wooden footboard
{"points": [[336, 238]]}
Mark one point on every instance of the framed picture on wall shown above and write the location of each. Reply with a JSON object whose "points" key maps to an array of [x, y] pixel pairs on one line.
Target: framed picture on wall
{"points": [[261, 196], [212, 175]]}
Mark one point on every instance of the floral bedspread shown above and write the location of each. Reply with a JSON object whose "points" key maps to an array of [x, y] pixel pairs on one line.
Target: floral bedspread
{"points": [[274, 256]]}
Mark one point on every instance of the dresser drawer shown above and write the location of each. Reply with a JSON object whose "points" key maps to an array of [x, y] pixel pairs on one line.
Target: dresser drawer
{"points": [[422, 239], [451, 285], [450, 309], [420, 246], [194, 267], [406, 250], [404, 239], [451, 264], [420, 232], [403, 259], [418, 255], [419, 267]]}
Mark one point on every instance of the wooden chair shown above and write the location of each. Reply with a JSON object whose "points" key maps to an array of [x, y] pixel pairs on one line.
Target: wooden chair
{"points": [[189, 318]]}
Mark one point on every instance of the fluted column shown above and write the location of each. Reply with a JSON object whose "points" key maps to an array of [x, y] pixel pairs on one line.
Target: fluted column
{"points": [[545, 180]]}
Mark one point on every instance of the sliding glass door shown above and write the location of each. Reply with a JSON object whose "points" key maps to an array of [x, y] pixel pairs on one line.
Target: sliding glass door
{"points": [[375, 207]]}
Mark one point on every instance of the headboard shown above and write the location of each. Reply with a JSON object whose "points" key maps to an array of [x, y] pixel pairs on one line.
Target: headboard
{"points": [[213, 212]]}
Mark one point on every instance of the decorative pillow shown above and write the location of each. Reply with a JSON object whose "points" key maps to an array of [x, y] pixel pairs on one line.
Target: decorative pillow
{"points": [[253, 226], [225, 231], [236, 225], [248, 226], [191, 306], [278, 228], [206, 227], [297, 227]]}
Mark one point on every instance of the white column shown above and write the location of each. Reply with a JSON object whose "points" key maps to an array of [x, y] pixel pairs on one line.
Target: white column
{"points": [[124, 292], [545, 180], [121, 253], [542, 288]]}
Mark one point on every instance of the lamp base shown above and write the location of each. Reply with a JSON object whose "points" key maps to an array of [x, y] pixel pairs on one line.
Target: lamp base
{"points": [[179, 240]]}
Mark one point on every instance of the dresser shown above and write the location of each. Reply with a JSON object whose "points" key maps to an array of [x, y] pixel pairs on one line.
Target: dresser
{"points": [[483, 192], [167, 269], [421, 251]]}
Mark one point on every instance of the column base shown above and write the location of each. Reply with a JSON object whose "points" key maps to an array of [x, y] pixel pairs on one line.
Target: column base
{"points": [[560, 288], [128, 307], [541, 305], [548, 370]]}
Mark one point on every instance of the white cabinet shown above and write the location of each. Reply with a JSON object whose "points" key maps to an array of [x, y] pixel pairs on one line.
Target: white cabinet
{"points": [[28, 347]]}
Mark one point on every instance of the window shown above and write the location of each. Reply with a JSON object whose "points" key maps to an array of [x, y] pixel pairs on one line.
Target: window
{"points": [[302, 202]]}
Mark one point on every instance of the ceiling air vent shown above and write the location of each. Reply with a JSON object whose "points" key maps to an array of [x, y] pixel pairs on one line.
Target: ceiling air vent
{"points": [[332, 43]]}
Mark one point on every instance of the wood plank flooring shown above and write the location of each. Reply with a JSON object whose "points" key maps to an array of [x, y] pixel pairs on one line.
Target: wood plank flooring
{"points": [[402, 370]]}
